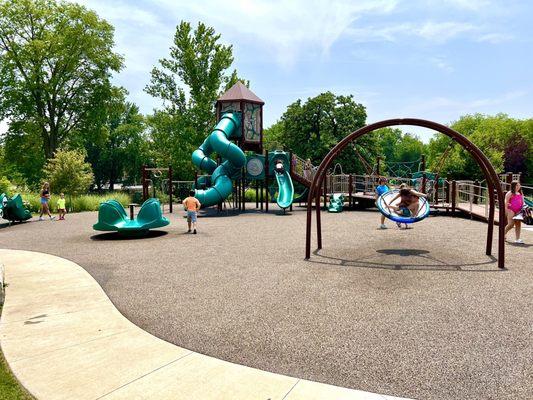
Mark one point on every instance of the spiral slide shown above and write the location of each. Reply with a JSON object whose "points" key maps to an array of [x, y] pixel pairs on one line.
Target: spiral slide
{"points": [[221, 176]]}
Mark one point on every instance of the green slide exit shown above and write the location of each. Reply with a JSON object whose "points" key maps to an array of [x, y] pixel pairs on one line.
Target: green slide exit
{"points": [[285, 189]]}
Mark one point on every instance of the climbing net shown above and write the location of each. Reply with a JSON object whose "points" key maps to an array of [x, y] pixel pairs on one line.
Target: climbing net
{"points": [[401, 169]]}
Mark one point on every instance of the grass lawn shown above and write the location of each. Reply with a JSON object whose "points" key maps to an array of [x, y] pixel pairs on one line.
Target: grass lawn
{"points": [[10, 389]]}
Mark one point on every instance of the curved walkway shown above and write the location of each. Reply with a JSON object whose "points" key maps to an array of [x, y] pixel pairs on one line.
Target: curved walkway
{"points": [[64, 339]]}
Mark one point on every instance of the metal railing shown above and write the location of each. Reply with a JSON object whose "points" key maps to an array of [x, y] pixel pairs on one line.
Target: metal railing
{"points": [[303, 168]]}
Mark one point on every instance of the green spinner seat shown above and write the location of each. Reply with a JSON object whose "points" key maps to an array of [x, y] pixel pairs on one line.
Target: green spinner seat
{"points": [[13, 209], [112, 217]]}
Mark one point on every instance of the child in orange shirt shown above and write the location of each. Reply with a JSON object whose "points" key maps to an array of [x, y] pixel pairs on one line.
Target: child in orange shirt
{"points": [[191, 205]]}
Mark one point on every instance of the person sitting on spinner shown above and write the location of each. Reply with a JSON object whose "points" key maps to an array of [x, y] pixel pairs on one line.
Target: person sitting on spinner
{"points": [[409, 202]]}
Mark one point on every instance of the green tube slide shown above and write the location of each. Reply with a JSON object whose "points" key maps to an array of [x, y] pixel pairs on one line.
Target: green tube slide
{"points": [[221, 176], [285, 189]]}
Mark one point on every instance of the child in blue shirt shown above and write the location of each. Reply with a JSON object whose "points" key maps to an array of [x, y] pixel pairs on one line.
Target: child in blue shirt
{"points": [[380, 189]]}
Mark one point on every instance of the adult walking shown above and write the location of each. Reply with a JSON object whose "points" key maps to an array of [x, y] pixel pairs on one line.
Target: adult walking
{"points": [[45, 199], [514, 201]]}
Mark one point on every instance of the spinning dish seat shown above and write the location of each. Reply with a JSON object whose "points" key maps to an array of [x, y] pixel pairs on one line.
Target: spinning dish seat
{"points": [[385, 199], [113, 217]]}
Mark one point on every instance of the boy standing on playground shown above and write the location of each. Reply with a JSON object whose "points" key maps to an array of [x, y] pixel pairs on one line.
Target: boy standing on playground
{"points": [[61, 207], [191, 205], [381, 189]]}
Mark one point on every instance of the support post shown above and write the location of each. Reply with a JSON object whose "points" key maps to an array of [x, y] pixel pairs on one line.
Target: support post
{"points": [[424, 178], [243, 191], [447, 188], [454, 193], [266, 180], [170, 188], [325, 184], [256, 194], [350, 183], [477, 189], [261, 193], [436, 190], [378, 167], [291, 168], [318, 222], [144, 183], [508, 180]]}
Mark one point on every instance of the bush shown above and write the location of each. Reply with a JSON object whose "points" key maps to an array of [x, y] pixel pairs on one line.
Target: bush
{"points": [[5, 185], [87, 202], [69, 173]]}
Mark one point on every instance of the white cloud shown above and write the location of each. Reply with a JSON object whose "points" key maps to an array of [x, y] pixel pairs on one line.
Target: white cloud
{"points": [[285, 28], [472, 5], [443, 31]]}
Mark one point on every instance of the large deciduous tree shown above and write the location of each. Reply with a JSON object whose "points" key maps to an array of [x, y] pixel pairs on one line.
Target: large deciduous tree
{"points": [[188, 83], [312, 128], [119, 148], [56, 60]]}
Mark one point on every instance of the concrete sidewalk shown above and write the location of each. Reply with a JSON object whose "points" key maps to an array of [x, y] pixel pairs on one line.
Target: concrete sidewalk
{"points": [[64, 339]]}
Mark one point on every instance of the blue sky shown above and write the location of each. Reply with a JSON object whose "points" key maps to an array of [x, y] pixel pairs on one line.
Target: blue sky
{"points": [[428, 59]]}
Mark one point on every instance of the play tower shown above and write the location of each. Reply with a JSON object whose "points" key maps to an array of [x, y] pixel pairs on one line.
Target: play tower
{"points": [[243, 163]]}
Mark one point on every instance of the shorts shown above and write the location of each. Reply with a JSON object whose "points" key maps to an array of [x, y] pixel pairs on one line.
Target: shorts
{"points": [[191, 216], [404, 212], [44, 200]]}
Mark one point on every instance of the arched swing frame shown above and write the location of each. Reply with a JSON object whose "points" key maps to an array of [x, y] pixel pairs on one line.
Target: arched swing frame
{"points": [[493, 182]]}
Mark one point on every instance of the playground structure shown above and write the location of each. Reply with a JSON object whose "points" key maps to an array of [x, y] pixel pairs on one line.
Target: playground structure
{"points": [[242, 163], [113, 218], [148, 176], [492, 179], [13, 209]]}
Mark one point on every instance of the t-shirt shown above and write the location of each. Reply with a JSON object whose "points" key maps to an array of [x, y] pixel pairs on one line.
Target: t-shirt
{"points": [[382, 189], [191, 204], [61, 204]]}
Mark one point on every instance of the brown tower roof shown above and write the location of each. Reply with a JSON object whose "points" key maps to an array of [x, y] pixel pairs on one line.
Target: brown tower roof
{"points": [[240, 92]]}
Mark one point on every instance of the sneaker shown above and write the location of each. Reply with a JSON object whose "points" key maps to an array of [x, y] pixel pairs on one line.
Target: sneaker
{"points": [[194, 232], [519, 241], [41, 219], [52, 218], [189, 231], [383, 226]]}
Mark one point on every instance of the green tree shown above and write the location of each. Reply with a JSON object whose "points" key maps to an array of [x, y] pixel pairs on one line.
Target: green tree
{"points": [[120, 149], [22, 160], [507, 142], [188, 83], [69, 173], [400, 152], [56, 59], [171, 143], [312, 128]]}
